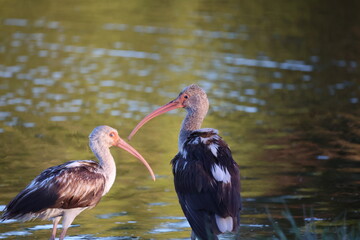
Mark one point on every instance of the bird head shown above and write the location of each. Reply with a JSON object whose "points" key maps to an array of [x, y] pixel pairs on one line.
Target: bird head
{"points": [[107, 137], [193, 98]]}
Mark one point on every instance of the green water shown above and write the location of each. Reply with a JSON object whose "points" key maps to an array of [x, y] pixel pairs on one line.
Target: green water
{"points": [[282, 79]]}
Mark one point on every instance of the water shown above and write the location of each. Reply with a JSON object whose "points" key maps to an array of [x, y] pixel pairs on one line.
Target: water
{"points": [[283, 84]]}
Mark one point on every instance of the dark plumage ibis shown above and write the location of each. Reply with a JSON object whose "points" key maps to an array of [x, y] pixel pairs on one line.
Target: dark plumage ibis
{"points": [[206, 177], [66, 190]]}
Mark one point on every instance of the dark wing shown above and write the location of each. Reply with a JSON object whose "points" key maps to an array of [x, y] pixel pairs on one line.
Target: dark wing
{"points": [[70, 185], [207, 182]]}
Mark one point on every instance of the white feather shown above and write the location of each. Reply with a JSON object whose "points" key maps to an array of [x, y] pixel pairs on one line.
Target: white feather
{"points": [[185, 163], [221, 174], [183, 153], [224, 224], [195, 141], [176, 166], [214, 148]]}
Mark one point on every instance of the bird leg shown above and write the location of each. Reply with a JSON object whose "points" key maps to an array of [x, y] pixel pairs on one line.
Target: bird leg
{"points": [[68, 218], [63, 234], [55, 223]]}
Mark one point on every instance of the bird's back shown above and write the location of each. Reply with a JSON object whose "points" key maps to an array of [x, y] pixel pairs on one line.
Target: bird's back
{"points": [[74, 184], [207, 182]]}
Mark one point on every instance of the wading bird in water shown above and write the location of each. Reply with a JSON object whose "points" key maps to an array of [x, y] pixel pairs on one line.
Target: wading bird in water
{"points": [[206, 177], [70, 188]]}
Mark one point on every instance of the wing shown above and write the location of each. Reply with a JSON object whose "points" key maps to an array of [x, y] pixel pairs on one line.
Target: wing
{"points": [[70, 185], [207, 182]]}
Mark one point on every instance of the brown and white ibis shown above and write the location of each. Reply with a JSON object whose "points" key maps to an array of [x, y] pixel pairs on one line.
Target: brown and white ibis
{"points": [[70, 188], [206, 178]]}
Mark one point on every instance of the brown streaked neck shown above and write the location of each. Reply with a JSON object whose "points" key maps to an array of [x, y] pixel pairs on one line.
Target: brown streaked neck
{"points": [[191, 122]]}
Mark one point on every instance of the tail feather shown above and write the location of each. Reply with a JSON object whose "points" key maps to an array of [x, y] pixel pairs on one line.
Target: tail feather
{"points": [[202, 225]]}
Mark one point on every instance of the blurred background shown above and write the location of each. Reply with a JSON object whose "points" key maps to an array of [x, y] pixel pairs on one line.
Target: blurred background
{"points": [[283, 82]]}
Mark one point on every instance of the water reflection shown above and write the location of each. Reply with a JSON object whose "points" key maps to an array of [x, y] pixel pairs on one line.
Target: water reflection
{"points": [[177, 224], [283, 93]]}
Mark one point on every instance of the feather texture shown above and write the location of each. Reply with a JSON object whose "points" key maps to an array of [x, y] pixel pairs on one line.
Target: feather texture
{"points": [[208, 184], [74, 184]]}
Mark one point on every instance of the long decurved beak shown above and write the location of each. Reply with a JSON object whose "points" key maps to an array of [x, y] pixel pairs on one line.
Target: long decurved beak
{"points": [[167, 107], [122, 144]]}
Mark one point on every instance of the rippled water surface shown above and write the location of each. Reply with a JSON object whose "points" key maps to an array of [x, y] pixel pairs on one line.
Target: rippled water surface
{"points": [[284, 87]]}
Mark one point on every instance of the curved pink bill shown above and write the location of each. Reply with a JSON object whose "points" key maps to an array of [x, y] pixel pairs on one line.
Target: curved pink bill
{"points": [[167, 107], [122, 144]]}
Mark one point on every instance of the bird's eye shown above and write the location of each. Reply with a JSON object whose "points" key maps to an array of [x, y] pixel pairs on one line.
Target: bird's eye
{"points": [[112, 134], [186, 96]]}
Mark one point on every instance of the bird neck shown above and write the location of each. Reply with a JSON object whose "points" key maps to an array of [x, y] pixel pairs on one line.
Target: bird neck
{"points": [[191, 122], [106, 163]]}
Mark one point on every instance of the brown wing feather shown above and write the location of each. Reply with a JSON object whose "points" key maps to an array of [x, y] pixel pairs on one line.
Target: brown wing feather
{"points": [[70, 185], [81, 186]]}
